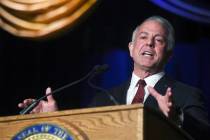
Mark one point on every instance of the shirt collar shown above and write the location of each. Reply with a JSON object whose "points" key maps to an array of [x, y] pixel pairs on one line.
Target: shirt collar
{"points": [[153, 79], [150, 80]]}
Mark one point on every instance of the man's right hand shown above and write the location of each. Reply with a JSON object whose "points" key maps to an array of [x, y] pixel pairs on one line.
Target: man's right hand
{"points": [[43, 106]]}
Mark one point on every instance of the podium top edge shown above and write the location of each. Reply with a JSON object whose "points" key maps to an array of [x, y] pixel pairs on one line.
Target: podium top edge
{"points": [[71, 112]]}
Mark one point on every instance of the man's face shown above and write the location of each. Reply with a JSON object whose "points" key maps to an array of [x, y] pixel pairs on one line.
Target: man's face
{"points": [[149, 46]]}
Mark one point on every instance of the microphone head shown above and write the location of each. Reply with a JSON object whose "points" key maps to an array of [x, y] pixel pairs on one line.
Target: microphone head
{"points": [[101, 68]]}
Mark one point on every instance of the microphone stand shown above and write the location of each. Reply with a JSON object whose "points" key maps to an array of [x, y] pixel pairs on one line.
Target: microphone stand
{"points": [[96, 69], [102, 89]]}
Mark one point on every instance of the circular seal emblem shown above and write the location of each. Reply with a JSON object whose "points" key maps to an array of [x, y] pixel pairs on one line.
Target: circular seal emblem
{"points": [[44, 132]]}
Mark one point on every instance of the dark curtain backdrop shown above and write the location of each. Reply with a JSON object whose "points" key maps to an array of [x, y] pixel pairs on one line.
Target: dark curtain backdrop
{"points": [[29, 66]]}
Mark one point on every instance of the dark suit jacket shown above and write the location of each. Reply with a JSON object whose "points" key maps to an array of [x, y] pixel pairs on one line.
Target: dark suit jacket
{"points": [[186, 99]]}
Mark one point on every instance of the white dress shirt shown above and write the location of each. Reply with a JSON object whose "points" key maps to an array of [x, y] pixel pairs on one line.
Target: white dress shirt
{"points": [[150, 81]]}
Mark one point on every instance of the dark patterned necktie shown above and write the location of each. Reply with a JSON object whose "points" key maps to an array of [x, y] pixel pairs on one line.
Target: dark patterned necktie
{"points": [[139, 97]]}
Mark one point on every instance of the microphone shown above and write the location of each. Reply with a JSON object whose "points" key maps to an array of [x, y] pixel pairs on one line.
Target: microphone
{"points": [[95, 70], [102, 69]]}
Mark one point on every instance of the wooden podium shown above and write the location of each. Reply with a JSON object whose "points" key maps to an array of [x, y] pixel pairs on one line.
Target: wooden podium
{"points": [[124, 122]]}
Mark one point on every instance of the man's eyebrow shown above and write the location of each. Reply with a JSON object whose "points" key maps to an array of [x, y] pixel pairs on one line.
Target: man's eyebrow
{"points": [[143, 33], [146, 33], [159, 35]]}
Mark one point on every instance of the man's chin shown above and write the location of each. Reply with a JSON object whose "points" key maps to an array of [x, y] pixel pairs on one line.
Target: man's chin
{"points": [[150, 68]]}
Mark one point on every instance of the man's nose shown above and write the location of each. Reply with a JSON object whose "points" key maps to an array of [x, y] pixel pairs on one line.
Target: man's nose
{"points": [[150, 42]]}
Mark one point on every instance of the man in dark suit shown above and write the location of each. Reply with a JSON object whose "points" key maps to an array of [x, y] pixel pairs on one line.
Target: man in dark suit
{"points": [[151, 47]]}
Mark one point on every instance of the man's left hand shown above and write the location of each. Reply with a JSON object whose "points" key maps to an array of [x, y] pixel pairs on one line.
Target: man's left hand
{"points": [[164, 102]]}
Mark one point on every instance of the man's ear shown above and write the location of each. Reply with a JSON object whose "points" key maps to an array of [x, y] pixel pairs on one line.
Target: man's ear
{"points": [[130, 47]]}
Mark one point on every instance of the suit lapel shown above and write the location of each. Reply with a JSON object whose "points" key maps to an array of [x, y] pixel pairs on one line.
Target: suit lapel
{"points": [[163, 84]]}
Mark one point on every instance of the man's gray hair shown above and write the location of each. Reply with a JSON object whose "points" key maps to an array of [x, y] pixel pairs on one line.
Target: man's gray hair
{"points": [[165, 23]]}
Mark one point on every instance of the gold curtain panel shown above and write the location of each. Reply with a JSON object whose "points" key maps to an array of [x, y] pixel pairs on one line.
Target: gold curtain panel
{"points": [[41, 18]]}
